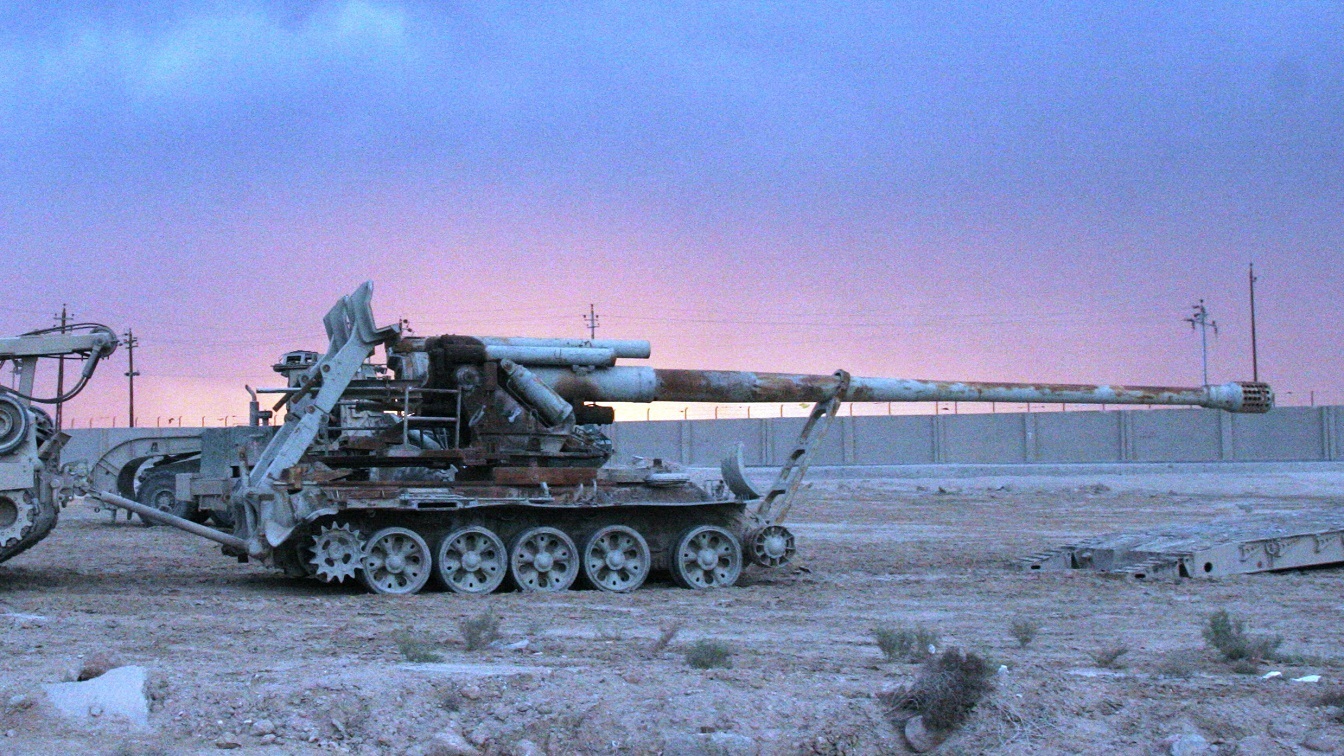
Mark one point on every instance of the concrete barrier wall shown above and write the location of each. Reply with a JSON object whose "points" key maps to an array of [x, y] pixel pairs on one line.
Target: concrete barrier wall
{"points": [[1195, 435]]}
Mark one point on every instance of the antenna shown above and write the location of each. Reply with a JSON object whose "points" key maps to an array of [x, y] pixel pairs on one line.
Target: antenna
{"points": [[1200, 320]]}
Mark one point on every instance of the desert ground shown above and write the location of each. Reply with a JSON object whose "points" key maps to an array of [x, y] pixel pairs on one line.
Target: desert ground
{"points": [[243, 658]]}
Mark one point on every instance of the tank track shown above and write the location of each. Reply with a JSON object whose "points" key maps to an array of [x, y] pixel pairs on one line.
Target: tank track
{"points": [[34, 520]]}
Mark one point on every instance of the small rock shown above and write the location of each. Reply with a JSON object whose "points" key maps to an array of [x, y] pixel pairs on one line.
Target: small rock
{"points": [[481, 735], [1189, 744], [18, 702], [95, 711], [1281, 729], [10, 733], [1260, 745], [228, 743], [681, 744], [263, 727], [526, 748], [95, 667], [921, 738], [1320, 741], [1307, 679], [450, 743], [731, 744], [471, 692], [268, 738]]}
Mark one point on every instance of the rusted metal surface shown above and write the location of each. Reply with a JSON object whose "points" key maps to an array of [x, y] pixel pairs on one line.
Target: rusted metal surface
{"points": [[639, 384], [532, 476]]}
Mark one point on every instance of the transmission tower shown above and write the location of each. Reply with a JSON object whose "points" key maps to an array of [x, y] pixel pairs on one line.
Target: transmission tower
{"points": [[1200, 320]]}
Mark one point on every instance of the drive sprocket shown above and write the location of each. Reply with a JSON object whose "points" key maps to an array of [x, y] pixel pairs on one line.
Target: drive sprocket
{"points": [[18, 513], [336, 552]]}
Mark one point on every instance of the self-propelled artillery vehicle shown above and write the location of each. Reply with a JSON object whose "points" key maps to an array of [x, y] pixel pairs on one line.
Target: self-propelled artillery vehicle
{"points": [[476, 460]]}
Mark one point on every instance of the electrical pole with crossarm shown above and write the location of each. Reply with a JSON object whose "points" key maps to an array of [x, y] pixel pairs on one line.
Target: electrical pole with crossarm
{"points": [[64, 318], [131, 342], [1200, 320], [591, 321]]}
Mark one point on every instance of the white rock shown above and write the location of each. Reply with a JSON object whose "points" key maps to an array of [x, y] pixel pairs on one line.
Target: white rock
{"points": [[730, 744], [1271, 675], [1189, 744], [450, 743], [1307, 678], [118, 692]]}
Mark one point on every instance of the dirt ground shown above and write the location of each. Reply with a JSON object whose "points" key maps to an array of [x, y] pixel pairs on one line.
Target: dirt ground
{"points": [[239, 656]]}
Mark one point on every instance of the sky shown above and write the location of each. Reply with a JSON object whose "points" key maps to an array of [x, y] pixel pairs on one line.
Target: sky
{"points": [[1003, 192]]}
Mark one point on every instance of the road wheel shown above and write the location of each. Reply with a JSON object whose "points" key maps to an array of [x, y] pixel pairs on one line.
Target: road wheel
{"points": [[396, 561], [616, 558], [543, 559], [471, 560], [707, 557]]}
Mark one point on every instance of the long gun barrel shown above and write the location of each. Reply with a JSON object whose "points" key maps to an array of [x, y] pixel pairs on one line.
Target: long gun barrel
{"points": [[638, 384], [583, 371]]}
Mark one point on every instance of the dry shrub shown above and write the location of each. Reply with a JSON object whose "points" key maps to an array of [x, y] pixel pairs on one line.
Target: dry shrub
{"points": [[416, 649], [1109, 657], [1024, 631], [1333, 697], [907, 644], [1178, 664], [946, 690], [1228, 635], [708, 654], [665, 635], [479, 631]]}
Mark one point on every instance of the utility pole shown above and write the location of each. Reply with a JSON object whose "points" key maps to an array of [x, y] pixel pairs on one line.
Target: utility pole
{"points": [[1200, 320], [591, 321], [1255, 361], [131, 342], [64, 318]]}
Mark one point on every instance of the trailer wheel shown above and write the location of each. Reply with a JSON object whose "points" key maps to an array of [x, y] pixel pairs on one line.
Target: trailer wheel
{"points": [[707, 557], [159, 490]]}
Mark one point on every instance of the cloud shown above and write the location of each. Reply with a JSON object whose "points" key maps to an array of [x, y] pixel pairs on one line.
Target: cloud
{"points": [[200, 65]]}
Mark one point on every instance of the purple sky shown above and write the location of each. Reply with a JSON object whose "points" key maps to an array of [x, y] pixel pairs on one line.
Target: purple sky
{"points": [[1015, 193]]}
